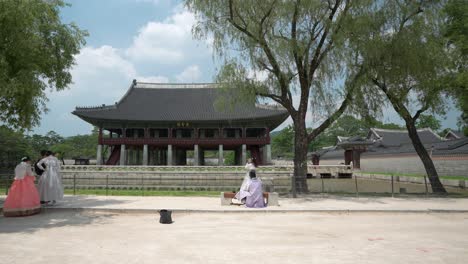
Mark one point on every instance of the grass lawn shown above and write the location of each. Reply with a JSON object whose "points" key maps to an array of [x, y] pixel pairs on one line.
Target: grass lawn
{"points": [[416, 175], [141, 193]]}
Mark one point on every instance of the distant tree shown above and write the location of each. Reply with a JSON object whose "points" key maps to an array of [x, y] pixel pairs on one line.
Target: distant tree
{"points": [[428, 121], [40, 142], [77, 146], [36, 53], [282, 143], [13, 147]]}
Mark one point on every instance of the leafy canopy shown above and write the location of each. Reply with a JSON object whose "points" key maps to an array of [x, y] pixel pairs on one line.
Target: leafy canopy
{"points": [[36, 53]]}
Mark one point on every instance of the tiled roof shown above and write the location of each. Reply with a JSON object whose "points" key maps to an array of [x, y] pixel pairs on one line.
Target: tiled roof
{"points": [[390, 137], [454, 134], [399, 143], [177, 102]]}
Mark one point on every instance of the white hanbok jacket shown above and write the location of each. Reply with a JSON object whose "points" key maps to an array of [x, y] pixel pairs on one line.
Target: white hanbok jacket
{"points": [[50, 184]]}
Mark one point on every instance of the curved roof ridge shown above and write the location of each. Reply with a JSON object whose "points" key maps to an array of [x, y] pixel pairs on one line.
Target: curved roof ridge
{"points": [[150, 85]]}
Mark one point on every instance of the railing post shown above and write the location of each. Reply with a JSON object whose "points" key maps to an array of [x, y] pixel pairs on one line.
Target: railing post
{"points": [[293, 179], [7, 184], [74, 183], [323, 184], [425, 184], [107, 184], [357, 189], [392, 186], [142, 186]]}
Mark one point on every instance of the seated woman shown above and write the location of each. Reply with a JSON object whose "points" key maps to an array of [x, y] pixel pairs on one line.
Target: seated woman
{"points": [[243, 192], [23, 198], [255, 197]]}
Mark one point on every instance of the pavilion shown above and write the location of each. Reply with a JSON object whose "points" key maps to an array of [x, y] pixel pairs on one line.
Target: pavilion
{"points": [[158, 123]]}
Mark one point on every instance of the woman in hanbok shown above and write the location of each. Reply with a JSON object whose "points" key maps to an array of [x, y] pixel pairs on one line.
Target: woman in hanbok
{"points": [[23, 198], [50, 183], [251, 167], [255, 190]]}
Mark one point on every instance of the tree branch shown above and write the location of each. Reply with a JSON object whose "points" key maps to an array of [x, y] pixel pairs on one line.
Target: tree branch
{"points": [[348, 98], [420, 111], [313, 62]]}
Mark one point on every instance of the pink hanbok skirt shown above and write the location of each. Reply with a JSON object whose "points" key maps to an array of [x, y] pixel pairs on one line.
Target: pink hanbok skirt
{"points": [[22, 199]]}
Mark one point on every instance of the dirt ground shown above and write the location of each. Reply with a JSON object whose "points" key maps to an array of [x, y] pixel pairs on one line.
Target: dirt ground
{"points": [[69, 237]]}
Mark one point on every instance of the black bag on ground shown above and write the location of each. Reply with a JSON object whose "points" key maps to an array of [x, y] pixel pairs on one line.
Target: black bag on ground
{"points": [[165, 216]]}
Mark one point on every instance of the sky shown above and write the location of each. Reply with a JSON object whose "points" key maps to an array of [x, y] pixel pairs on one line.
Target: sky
{"points": [[146, 40]]}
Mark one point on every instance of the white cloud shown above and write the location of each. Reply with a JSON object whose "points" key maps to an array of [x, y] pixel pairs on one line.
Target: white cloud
{"points": [[166, 42], [153, 79], [190, 74]]}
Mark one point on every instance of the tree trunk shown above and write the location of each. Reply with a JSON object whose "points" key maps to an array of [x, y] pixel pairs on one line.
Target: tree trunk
{"points": [[431, 171], [300, 156]]}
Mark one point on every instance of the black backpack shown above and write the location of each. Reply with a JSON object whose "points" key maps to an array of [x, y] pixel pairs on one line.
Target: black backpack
{"points": [[39, 171]]}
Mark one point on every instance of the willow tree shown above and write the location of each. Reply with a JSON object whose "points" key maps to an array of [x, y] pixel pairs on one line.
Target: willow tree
{"points": [[284, 50], [36, 53], [406, 61]]}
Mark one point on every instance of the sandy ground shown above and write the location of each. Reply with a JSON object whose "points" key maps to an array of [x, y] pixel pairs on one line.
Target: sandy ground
{"points": [[70, 237]]}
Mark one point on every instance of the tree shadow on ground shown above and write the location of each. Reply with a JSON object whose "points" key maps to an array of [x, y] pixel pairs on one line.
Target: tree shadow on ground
{"points": [[51, 219]]}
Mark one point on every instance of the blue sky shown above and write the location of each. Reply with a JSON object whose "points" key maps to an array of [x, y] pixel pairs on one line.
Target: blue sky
{"points": [[147, 40]]}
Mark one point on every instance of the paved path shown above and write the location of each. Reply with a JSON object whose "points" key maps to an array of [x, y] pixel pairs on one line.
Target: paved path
{"points": [[139, 204]]}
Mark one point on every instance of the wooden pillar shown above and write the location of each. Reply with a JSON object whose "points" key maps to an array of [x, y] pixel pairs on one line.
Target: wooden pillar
{"points": [[348, 156]]}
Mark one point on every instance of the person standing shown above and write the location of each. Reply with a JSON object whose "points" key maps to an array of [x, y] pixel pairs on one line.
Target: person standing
{"points": [[50, 183], [23, 198]]}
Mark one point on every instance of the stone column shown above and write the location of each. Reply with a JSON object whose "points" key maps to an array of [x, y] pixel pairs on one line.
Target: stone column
{"points": [[220, 155], [196, 156], [99, 155], [122, 155], [169, 155], [267, 154], [244, 154], [145, 155]]}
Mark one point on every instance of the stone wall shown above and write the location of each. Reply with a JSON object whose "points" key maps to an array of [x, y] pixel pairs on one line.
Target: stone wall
{"points": [[447, 166]]}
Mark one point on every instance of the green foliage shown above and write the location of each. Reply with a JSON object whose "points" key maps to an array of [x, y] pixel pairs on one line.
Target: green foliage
{"points": [[77, 146], [282, 143], [229, 158], [428, 121], [36, 53], [456, 31], [13, 146], [39, 142]]}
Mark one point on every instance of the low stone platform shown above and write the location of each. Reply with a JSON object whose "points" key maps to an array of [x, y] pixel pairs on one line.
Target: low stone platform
{"points": [[271, 198]]}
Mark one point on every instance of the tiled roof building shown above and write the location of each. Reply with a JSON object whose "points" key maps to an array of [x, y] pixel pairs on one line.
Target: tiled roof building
{"points": [[156, 124]]}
